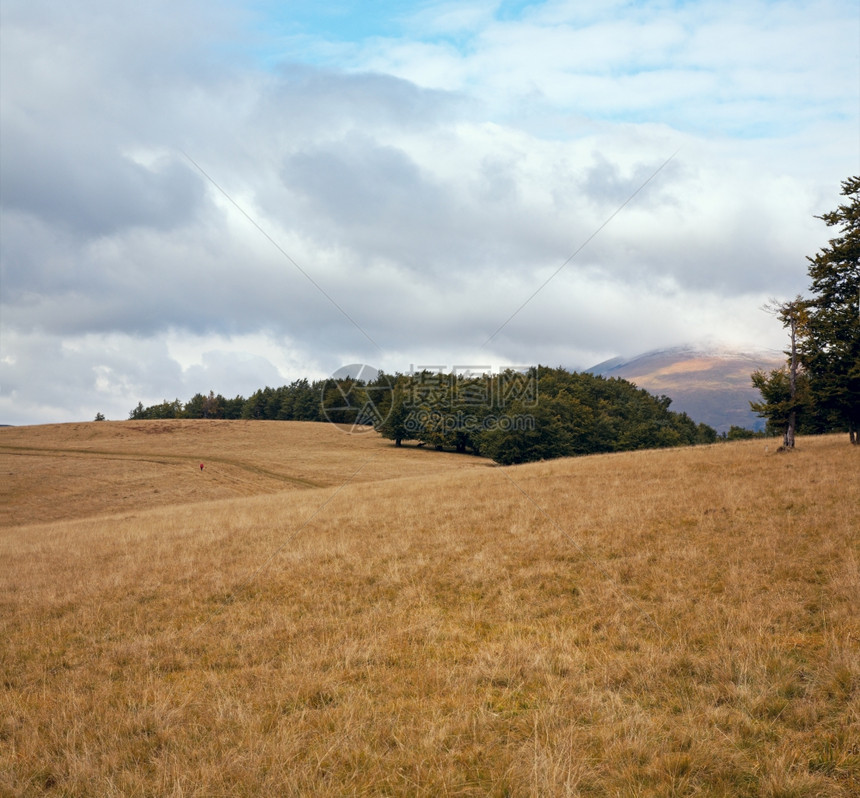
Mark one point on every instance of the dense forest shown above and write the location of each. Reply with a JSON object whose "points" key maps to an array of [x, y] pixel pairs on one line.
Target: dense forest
{"points": [[512, 417]]}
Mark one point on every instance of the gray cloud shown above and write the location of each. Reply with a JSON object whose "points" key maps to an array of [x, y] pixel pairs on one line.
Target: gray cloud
{"points": [[92, 191], [362, 187], [428, 209]]}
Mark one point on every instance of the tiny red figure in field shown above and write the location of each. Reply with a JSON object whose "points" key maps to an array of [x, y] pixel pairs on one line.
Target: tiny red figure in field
{"points": [[201, 466]]}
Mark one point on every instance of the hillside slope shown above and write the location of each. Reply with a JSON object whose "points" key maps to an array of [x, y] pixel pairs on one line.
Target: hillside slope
{"points": [[66, 471], [710, 386], [674, 622]]}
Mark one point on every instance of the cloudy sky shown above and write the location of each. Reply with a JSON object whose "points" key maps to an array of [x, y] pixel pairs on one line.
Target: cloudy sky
{"points": [[229, 194]]}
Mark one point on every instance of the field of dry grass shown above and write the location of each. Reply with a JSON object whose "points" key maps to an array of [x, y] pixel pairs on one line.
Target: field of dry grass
{"points": [[65, 471], [678, 622]]}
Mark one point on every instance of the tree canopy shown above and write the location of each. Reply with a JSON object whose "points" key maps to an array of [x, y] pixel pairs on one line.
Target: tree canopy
{"points": [[826, 395], [830, 344], [544, 413]]}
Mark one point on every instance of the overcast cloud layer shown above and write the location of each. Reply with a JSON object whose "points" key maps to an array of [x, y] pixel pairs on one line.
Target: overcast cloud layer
{"points": [[229, 195]]}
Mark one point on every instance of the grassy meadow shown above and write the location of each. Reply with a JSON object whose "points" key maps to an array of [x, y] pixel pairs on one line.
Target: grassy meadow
{"points": [[322, 614]]}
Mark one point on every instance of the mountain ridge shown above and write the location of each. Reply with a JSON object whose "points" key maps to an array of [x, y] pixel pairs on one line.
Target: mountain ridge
{"points": [[710, 384]]}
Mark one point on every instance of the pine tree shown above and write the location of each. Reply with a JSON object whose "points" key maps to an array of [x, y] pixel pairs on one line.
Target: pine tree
{"points": [[779, 389], [830, 346]]}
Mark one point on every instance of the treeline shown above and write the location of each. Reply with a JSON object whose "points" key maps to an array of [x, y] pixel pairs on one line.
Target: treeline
{"points": [[543, 413], [512, 417], [299, 401]]}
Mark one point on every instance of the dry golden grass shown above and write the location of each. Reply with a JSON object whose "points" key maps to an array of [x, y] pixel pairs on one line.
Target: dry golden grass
{"points": [[678, 622], [64, 471]]}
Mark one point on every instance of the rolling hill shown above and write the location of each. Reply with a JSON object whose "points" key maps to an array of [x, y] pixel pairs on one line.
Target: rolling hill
{"points": [[315, 613], [711, 386], [66, 471]]}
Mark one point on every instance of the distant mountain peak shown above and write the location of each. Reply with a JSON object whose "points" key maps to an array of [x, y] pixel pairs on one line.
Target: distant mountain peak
{"points": [[710, 383]]}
